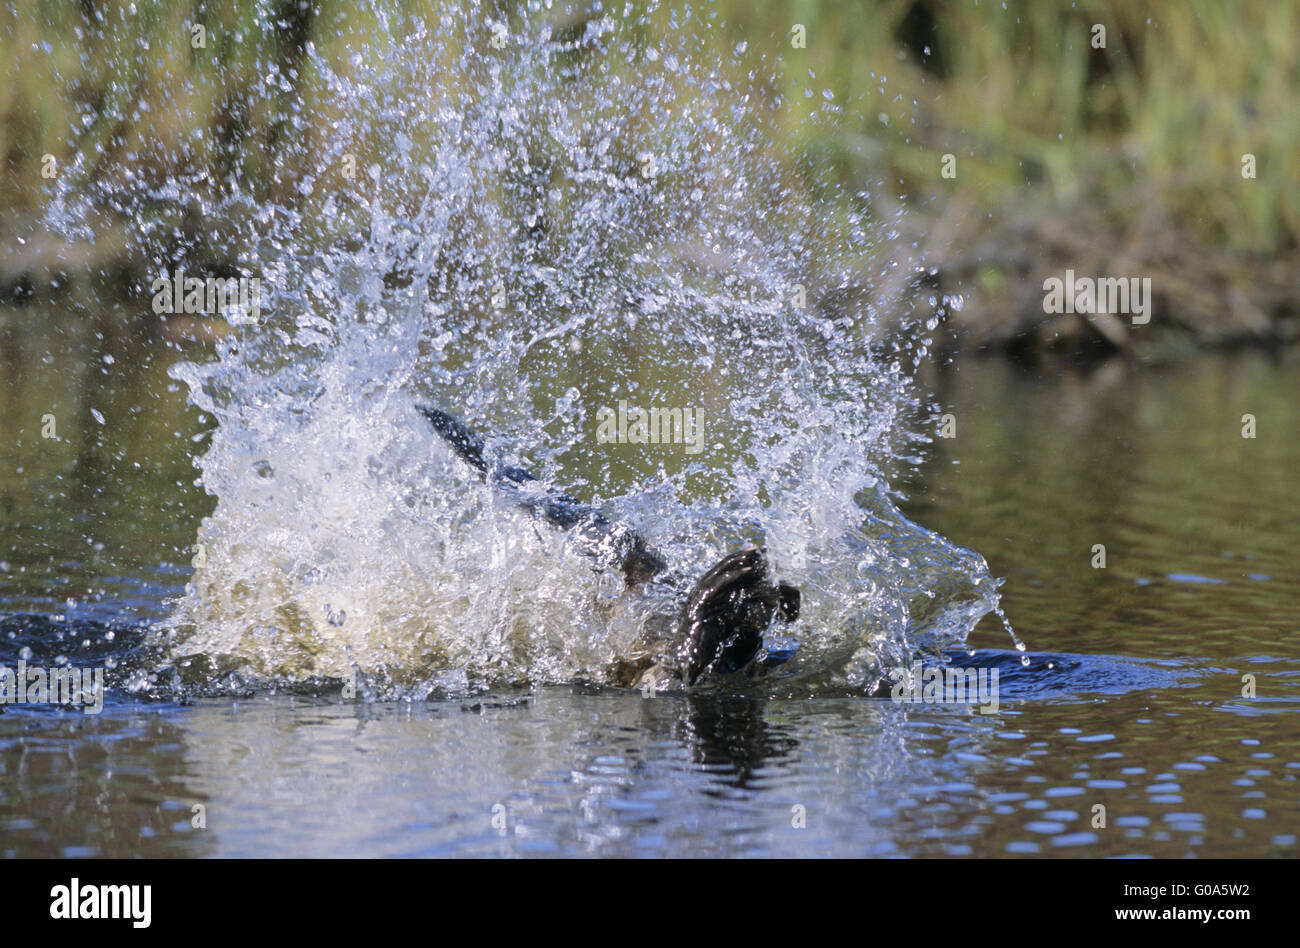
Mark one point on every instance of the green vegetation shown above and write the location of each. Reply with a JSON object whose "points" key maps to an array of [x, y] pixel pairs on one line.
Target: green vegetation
{"points": [[1132, 143], [1016, 91]]}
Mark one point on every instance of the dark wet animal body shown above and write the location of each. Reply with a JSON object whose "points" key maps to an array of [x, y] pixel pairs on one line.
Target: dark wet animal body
{"points": [[725, 614]]}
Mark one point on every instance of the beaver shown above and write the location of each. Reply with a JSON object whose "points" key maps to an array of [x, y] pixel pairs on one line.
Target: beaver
{"points": [[724, 615]]}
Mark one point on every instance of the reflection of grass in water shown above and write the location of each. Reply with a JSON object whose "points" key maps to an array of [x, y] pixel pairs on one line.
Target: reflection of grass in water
{"points": [[1153, 466], [118, 496], [1166, 110]]}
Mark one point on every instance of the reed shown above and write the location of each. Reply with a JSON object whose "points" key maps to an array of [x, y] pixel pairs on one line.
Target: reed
{"points": [[1159, 118]]}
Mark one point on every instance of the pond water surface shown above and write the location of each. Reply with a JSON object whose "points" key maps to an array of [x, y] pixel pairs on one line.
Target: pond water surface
{"points": [[1159, 714]]}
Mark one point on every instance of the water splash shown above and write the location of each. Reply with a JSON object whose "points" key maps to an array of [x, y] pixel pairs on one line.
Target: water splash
{"points": [[553, 223]]}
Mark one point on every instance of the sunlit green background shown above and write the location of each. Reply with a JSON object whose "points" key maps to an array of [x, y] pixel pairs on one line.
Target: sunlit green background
{"points": [[1128, 156]]}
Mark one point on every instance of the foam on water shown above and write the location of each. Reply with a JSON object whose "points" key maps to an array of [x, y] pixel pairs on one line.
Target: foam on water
{"points": [[555, 226]]}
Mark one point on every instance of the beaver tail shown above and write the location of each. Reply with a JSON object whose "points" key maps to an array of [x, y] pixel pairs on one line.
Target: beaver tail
{"points": [[465, 441], [607, 543]]}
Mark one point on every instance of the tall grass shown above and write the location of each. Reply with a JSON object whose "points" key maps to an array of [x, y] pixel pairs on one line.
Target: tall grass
{"points": [[1032, 112]]}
